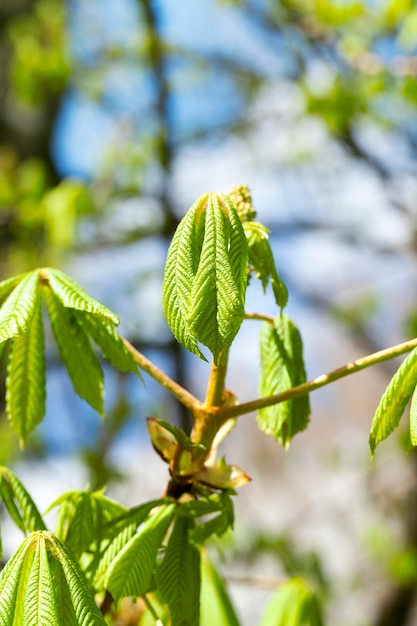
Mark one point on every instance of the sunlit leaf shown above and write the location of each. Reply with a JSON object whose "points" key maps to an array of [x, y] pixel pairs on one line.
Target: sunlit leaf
{"points": [[42, 585], [205, 276], [394, 400], [26, 377], [73, 296], [17, 310], [130, 573], [77, 354], [282, 367]]}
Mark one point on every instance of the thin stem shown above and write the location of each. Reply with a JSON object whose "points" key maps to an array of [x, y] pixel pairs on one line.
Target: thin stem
{"points": [[320, 381], [182, 395], [262, 317]]}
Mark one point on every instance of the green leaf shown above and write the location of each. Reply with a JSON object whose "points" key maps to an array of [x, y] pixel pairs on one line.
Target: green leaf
{"points": [[205, 276], [77, 354], [108, 339], [130, 573], [262, 261], [6, 286], [119, 532], [216, 525], [42, 585], [83, 519], [215, 604], [17, 310], [413, 419], [294, 604], [19, 503], [282, 368], [178, 575], [73, 296], [393, 402], [26, 377]]}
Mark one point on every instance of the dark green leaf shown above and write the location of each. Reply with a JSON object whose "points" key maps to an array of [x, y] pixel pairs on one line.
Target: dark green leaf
{"points": [[178, 575], [77, 354], [26, 377], [393, 402], [282, 368]]}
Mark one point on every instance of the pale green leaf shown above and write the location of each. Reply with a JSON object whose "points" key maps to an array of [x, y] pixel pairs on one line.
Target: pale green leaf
{"points": [[130, 573], [282, 368], [73, 296], [293, 604], [108, 339], [41, 585], [26, 377], [217, 298], [180, 267], [215, 604], [205, 276], [19, 503], [178, 575], [394, 400], [17, 310], [116, 535], [413, 418], [6, 286], [262, 261], [77, 354]]}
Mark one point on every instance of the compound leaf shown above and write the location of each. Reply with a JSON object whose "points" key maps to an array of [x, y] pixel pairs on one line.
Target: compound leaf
{"points": [[72, 296], [18, 308], [130, 573], [282, 368], [41, 585], [6, 286], [178, 575], [215, 604], [26, 376], [393, 402], [293, 604], [77, 354], [108, 339]]}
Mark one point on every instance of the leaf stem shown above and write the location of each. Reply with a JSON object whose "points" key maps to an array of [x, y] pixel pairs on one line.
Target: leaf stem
{"points": [[320, 381], [182, 395], [262, 317], [206, 423]]}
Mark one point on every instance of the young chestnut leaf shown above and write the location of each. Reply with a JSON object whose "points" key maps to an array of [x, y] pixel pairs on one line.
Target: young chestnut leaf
{"points": [[262, 261], [393, 402], [42, 584], [293, 604], [282, 367], [206, 276], [76, 317]]}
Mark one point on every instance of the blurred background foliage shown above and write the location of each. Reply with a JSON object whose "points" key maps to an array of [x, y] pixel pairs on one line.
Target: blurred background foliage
{"points": [[115, 116]]}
